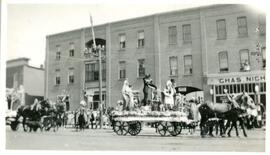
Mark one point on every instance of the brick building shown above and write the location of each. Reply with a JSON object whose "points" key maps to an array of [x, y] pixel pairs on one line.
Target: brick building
{"points": [[25, 79], [199, 47]]}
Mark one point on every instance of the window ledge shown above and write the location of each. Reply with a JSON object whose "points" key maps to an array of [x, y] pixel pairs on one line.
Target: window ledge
{"points": [[220, 39], [141, 47], [222, 72], [173, 76], [187, 43], [121, 50], [187, 75], [243, 36]]}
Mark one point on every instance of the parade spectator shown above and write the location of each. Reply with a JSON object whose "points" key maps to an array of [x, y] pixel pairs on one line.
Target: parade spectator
{"points": [[92, 119]]}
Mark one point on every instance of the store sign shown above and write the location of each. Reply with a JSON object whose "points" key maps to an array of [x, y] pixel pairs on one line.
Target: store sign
{"points": [[236, 80]]}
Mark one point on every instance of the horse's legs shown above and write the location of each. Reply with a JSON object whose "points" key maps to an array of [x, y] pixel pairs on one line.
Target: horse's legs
{"points": [[236, 129], [229, 132], [24, 120], [216, 126], [211, 131], [201, 127], [221, 125], [242, 126]]}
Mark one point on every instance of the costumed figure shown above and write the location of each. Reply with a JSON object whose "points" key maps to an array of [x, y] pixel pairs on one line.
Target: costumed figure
{"points": [[168, 94], [127, 95], [147, 83]]}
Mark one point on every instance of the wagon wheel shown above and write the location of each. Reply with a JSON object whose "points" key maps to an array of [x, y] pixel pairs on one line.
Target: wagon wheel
{"points": [[14, 125], [121, 128], [175, 128], [162, 128], [134, 128]]}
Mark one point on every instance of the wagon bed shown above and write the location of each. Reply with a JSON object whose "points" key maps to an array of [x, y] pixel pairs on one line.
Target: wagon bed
{"points": [[166, 123]]}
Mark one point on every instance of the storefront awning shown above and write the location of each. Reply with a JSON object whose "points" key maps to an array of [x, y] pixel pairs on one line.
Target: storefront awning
{"points": [[184, 90]]}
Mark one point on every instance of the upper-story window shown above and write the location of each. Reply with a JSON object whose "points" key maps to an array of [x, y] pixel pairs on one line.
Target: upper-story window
{"points": [[57, 77], [71, 76], [140, 39], [186, 34], [71, 50], [141, 67], [91, 72], [221, 29], [172, 35], [242, 26], [188, 65], [58, 52], [244, 60], [223, 61], [122, 38], [262, 24], [122, 69], [173, 66]]}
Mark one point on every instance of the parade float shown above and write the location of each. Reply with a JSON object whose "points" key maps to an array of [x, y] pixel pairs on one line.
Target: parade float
{"points": [[165, 122]]}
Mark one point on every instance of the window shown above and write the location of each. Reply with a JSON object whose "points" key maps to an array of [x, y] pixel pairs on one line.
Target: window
{"points": [[91, 72], [187, 64], [141, 67], [71, 76], [221, 29], [262, 24], [244, 60], [223, 61], [186, 33], [140, 39], [122, 69], [172, 35], [242, 26], [173, 66], [122, 41], [71, 51], [58, 53], [57, 77], [264, 57]]}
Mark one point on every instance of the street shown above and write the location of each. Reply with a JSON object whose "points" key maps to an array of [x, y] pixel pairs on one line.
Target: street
{"points": [[147, 140]]}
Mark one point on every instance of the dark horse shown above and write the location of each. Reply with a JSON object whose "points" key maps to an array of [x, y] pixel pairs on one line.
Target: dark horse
{"points": [[32, 113], [221, 112], [81, 124]]}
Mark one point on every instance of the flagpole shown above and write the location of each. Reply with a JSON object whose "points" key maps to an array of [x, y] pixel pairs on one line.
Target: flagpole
{"points": [[100, 72]]}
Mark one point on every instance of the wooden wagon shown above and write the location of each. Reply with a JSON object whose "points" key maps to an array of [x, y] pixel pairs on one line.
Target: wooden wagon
{"points": [[166, 123]]}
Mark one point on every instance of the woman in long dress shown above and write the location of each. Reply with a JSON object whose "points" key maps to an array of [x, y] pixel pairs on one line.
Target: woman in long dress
{"points": [[127, 95], [168, 93]]}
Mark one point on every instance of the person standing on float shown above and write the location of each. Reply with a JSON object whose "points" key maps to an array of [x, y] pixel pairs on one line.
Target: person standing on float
{"points": [[168, 93]]}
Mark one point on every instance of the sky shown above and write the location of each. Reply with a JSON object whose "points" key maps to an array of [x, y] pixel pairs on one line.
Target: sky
{"points": [[29, 23]]}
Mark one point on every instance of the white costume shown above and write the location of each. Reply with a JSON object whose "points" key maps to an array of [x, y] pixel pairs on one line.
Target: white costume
{"points": [[128, 94], [168, 92]]}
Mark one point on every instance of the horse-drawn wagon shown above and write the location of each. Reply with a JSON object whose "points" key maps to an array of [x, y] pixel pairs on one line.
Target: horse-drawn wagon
{"points": [[165, 122]]}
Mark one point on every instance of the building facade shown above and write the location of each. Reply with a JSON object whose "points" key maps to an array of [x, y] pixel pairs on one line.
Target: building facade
{"points": [[200, 47], [25, 80]]}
